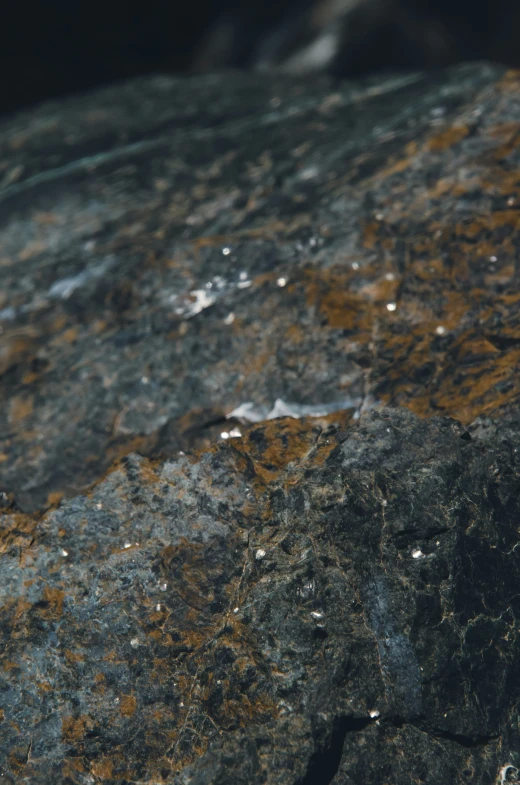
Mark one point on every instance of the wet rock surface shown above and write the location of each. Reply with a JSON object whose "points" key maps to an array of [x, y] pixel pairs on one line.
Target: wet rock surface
{"points": [[329, 599]]}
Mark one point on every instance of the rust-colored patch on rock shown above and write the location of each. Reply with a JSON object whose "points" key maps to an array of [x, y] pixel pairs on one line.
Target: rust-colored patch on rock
{"points": [[447, 139], [53, 599], [128, 705], [103, 769], [74, 728]]}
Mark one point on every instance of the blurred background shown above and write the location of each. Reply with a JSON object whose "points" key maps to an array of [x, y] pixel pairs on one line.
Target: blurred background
{"points": [[50, 48]]}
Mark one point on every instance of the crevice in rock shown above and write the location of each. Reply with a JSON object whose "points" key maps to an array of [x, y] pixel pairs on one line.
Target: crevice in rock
{"points": [[464, 741], [502, 342], [324, 762]]}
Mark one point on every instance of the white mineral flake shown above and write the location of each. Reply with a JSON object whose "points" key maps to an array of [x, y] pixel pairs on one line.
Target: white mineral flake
{"points": [[309, 173], [417, 554], [250, 412], [260, 554], [201, 299], [63, 288]]}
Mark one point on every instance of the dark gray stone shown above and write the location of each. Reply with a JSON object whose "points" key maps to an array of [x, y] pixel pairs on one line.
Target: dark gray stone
{"points": [[355, 619], [304, 600], [116, 293]]}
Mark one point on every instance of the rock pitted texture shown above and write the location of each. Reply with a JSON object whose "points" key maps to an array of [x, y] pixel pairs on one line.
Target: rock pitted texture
{"points": [[303, 601], [355, 612]]}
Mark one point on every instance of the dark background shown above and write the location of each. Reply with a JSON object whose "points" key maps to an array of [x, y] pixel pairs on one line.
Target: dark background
{"points": [[55, 47]]}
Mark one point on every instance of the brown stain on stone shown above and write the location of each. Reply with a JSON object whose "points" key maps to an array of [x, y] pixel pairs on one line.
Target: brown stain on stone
{"points": [[128, 705], [272, 445], [54, 498], [32, 248], [329, 293], [71, 767], [103, 769], [73, 656], [17, 345], [370, 232], [446, 139], [74, 728], [70, 335], [54, 599]]}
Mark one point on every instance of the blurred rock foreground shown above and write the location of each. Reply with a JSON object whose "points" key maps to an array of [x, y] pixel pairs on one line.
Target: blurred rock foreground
{"points": [[260, 433]]}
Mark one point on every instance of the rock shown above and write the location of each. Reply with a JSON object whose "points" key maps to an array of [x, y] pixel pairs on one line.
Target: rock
{"points": [[351, 618], [314, 293], [172, 250]]}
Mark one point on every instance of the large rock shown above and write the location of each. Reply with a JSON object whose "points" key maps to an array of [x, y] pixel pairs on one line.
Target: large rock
{"points": [[145, 232], [349, 618], [318, 600]]}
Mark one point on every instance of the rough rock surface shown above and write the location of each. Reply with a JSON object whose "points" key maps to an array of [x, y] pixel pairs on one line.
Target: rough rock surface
{"points": [[356, 609], [300, 601], [145, 232]]}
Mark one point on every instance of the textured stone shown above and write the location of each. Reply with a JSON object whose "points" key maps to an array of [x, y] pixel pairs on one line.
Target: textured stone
{"points": [[126, 324], [330, 599], [356, 609]]}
